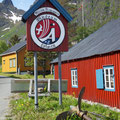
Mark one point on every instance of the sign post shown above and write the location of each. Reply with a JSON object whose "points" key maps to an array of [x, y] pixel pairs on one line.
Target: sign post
{"points": [[47, 30], [60, 79], [35, 80]]}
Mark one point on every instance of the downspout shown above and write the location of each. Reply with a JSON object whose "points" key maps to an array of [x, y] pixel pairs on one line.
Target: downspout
{"points": [[17, 63]]}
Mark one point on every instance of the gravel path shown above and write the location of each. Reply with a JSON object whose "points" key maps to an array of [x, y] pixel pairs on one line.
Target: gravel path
{"points": [[5, 93]]}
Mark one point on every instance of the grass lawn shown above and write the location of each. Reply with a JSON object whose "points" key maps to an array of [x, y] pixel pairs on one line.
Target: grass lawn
{"points": [[26, 76], [22, 108], [0, 69]]}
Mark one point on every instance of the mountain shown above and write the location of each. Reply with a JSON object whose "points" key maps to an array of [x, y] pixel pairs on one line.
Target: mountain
{"points": [[89, 16], [7, 3], [9, 13], [10, 18], [92, 14]]}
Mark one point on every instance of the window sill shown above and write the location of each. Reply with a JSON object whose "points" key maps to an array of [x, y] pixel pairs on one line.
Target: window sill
{"points": [[112, 90], [74, 86]]}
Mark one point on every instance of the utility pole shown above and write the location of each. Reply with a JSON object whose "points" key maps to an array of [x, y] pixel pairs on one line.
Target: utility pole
{"points": [[83, 14]]}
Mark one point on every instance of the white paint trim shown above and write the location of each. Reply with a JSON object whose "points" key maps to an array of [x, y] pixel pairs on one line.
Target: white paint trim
{"points": [[46, 9]]}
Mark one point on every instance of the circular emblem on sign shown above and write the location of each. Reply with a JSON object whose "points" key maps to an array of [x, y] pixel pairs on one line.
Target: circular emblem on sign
{"points": [[47, 31]]}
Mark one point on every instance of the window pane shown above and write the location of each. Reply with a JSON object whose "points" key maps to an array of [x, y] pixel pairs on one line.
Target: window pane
{"points": [[107, 78], [73, 82], [106, 71], [13, 62], [10, 63], [111, 71], [3, 61], [73, 78], [112, 84], [107, 84], [111, 78], [76, 73], [72, 73]]}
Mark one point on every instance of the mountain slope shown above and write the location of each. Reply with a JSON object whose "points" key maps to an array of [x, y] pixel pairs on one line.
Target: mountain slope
{"points": [[10, 20], [93, 13]]}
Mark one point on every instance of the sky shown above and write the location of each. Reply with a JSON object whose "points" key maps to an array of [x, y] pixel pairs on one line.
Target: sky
{"points": [[22, 4]]}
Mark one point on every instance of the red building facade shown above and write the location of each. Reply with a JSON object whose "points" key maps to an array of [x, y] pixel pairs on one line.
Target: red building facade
{"points": [[86, 70], [94, 63]]}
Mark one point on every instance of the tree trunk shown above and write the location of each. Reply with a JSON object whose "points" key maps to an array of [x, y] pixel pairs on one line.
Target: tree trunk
{"points": [[44, 68]]}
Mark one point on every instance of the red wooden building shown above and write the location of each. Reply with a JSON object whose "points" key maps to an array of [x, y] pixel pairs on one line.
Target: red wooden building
{"points": [[95, 63]]}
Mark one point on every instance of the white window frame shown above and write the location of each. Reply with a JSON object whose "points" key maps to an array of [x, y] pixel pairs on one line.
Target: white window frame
{"points": [[109, 78], [14, 63], [74, 78]]}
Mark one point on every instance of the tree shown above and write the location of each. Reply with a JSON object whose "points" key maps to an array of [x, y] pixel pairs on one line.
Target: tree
{"points": [[13, 40], [43, 60], [3, 47]]}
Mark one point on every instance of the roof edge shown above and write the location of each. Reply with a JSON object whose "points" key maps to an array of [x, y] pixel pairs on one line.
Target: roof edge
{"points": [[52, 62], [31, 10], [39, 3], [13, 51], [7, 53], [21, 48]]}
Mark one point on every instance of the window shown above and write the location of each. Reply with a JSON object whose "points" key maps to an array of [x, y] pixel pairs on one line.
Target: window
{"points": [[10, 63], [74, 78], [14, 62], [109, 78], [105, 78], [3, 61]]}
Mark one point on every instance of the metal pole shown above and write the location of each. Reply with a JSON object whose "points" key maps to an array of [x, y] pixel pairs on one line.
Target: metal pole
{"points": [[83, 17], [35, 80], [60, 79]]}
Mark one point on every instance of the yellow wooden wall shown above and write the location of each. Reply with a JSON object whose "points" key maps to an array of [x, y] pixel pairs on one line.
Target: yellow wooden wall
{"points": [[21, 56], [6, 67]]}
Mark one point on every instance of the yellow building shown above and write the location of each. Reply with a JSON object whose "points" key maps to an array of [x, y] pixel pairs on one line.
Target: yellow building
{"points": [[13, 60]]}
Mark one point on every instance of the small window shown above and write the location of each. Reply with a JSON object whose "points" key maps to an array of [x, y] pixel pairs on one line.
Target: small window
{"points": [[3, 61], [74, 78], [14, 62], [109, 78], [27, 62], [10, 63]]}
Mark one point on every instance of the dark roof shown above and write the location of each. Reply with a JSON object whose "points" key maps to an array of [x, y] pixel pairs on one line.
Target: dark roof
{"points": [[39, 3], [104, 40], [14, 48]]}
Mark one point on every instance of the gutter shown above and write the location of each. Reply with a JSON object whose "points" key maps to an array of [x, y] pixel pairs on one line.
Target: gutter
{"points": [[7, 53], [16, 62]]}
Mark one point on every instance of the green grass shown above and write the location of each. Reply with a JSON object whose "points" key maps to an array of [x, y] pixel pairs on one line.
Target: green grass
{"points": [[49, 108], [22, 108], [0, 69], [26, 76]]}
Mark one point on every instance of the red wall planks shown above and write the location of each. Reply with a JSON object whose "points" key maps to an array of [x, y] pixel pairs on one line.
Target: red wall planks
{"points": [[87, 77]]}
